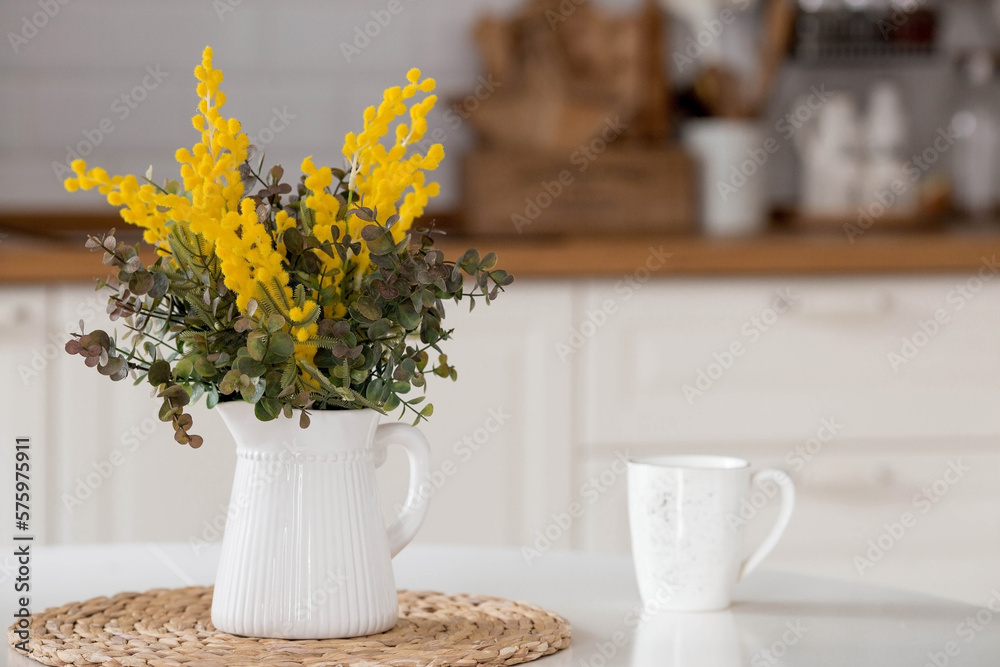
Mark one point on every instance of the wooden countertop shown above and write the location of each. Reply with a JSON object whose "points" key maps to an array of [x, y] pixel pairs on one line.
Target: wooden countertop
{"points": [[764, 255], [955, 249]]}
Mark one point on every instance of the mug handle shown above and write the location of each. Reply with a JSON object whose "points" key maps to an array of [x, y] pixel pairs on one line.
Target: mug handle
{"points": [[405, 527], [784, 483]]}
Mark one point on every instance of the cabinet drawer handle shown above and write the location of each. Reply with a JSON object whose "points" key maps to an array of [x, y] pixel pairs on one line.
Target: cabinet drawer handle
{"points": [[14, 316], [874, 486], [870, 305]]}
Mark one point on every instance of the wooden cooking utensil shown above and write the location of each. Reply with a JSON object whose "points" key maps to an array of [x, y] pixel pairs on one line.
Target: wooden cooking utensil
{"points": [[779, 22]]}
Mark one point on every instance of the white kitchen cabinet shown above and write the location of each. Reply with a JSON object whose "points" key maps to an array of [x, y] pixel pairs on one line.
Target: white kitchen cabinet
{"points": [[714, 360]]}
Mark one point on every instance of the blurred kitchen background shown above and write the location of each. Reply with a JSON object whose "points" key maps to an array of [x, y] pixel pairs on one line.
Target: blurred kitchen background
{"points": [[756, 227]]}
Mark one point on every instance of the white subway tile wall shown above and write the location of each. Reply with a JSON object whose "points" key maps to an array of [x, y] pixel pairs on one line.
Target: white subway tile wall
{"points": [[112, 80]]}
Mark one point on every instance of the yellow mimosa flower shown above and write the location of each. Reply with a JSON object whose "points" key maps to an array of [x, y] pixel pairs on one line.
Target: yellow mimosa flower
{"points": [[209, 204]]}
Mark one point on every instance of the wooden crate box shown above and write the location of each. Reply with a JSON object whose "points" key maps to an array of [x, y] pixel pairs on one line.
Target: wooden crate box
{"points": [[648, 190]]}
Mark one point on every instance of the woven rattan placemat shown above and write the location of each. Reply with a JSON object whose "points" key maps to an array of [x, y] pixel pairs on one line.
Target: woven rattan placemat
{"points": [[172, 628]]}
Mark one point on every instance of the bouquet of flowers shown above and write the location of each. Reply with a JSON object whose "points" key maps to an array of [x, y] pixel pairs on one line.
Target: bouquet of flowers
{"points": [[326, 295]]}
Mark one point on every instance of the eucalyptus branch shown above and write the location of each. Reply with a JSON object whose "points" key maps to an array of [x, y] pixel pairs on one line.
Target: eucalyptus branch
{"points": [[149, 335]]}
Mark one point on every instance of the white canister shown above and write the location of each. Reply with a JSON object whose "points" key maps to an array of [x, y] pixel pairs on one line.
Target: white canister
{"points": [[734, 162]]}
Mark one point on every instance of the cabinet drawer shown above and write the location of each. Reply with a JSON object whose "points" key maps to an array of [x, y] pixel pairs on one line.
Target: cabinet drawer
{"points": [[25, 355], [708, 360], [22, 314]]}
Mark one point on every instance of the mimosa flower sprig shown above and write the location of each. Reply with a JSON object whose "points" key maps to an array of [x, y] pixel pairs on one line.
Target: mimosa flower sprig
{"points": [[322, 296]]}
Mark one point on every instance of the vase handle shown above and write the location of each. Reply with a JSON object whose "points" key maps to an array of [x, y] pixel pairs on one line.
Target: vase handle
{"points": [[405, 527]]}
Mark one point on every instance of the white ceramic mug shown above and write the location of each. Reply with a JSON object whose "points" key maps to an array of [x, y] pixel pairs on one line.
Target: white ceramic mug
{"points": [[687, 529]]}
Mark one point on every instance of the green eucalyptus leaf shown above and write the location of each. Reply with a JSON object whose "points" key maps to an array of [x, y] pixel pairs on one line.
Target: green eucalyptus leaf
{"points": [[229, 382], [275, 323], [267, 409], [381, 243], [159, 372], [184, 367], [273, 380], [250, 367], [282, 346], [488, 261], [176, 394], [211, 397], [379, 329], [161, 285], [469, 260], [253, 392], [167, 412], [375, 390], [204, 367], [197, 391], [257, 345], [501, 277], [100, 337], [294, 242], [368, 308], [141, 282], [408, 317], [113, 367]]}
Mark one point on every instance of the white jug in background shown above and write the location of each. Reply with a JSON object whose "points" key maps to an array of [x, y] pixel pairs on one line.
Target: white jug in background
{"points": [[885, 178], [976, 157], [829, 150]]}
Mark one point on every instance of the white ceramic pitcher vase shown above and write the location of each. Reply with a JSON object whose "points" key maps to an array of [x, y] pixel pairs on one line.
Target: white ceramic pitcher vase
{"points": [[306, 554]]}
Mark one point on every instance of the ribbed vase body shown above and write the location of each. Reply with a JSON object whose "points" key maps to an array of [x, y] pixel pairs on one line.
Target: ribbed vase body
{"points": [[305, 553]]}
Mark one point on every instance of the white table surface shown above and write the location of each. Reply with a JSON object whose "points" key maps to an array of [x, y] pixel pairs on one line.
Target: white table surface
{"points": [[777, 619]]}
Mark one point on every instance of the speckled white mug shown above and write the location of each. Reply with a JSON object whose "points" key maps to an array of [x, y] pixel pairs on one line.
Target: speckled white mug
{"points": [[686, 515]]}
